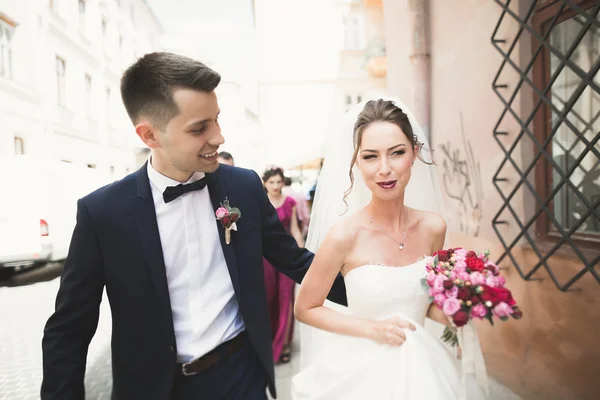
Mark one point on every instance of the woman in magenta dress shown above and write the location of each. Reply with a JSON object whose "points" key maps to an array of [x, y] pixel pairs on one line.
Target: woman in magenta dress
{"points": [[280, 288]]}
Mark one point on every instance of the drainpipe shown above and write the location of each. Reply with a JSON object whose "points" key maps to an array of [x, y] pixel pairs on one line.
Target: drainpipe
{"points": [[420, 73]]}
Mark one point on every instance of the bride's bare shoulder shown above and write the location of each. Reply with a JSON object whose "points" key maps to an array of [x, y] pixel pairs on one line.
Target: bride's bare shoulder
{"points": [[344, 232], [432, 222]]}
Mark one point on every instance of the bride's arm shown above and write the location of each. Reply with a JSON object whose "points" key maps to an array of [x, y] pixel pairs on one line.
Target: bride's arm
{"points": [[309, 307], [438, 227]]}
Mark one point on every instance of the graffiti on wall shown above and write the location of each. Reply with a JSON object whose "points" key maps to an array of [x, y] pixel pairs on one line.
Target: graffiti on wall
{"points": [[462, 184]]}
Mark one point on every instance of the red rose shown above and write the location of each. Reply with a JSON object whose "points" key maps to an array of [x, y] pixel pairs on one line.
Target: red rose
{"points": [[471, 254], [443, 255], [497, 295], [460, 318], [225, 221], [448, 284], [517, 313], [474, 300], [234, 217], [463, 294], [475, 264]]}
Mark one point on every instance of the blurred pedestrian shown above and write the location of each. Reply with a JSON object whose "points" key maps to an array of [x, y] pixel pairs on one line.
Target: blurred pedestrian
{"points": [[280, 288], [226, 158], [301, 205]]}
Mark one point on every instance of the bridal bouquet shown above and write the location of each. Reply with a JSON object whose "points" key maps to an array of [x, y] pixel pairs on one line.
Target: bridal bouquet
{"points": [[467, 285]]}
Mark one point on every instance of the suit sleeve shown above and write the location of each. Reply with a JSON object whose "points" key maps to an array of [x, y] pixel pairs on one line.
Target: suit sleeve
{"points": [[282, 251], [70, 329]]}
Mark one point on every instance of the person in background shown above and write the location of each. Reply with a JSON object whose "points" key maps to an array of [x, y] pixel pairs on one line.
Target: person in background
{"points": [[301, 205], [280, 288], [226, 158]]}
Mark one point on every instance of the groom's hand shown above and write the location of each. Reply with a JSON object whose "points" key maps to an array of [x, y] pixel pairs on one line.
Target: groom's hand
{"points": [[390, 331]]}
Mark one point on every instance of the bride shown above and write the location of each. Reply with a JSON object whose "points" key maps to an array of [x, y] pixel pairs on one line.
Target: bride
{"points": [[391, 206]]}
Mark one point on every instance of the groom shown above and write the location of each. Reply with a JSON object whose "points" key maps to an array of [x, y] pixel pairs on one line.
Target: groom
{"points": [[189, 310]]}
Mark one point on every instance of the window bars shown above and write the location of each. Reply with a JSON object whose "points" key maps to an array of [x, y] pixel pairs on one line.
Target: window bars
{"points": [[561, 111]]}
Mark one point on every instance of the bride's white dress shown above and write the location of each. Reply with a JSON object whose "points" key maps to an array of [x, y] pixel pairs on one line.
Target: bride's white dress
{"points": [[353, 368]]}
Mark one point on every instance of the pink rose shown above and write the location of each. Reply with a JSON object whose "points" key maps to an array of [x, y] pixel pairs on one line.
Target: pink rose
{"points": [[460, 267], [477, 278], [503, 310], [460, 254], [430, 277], [222, 212], [451, 306], [492, 267], [491, 281], [438, 284], [500, 281], [452, 292], [439, 299], [463, 276], [479, 311]]}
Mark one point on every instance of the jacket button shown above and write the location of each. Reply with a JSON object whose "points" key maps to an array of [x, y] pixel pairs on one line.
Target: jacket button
{"points": [[172, 349]]}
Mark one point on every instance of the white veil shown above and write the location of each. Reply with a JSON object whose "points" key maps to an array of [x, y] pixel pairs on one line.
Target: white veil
{"points": [[422, 192]]}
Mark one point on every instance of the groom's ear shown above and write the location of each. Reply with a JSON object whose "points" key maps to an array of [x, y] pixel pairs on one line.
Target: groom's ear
{"points": [[147, 133]]}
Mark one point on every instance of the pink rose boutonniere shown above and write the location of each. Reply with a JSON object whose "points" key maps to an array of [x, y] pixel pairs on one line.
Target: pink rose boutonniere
{"points": [[228, 217]]}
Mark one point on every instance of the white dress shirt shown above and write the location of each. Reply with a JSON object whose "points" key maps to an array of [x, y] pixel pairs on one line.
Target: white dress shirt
{"points": [[205, 309]]}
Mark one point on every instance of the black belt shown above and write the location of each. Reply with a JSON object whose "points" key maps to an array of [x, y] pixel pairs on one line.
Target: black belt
{"points": [[214, 356]]}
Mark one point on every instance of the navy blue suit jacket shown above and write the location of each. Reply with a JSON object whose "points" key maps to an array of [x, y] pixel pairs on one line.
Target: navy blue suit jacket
{"points": [[116, 245]]}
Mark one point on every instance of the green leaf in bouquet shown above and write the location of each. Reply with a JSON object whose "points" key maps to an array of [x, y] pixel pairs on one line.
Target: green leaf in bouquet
{"points": [[489, 318], [450, 337], [424, 285], [436, 260], [236, 211]]}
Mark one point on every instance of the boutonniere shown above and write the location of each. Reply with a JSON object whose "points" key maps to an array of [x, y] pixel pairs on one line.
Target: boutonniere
{"points": [[228, 216]]}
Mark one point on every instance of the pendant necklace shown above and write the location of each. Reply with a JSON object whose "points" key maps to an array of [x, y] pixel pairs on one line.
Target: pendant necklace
{"points": [[399, 243]]}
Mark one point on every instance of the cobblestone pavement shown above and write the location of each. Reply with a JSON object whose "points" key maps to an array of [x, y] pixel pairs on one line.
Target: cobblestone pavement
{"points": [[23, 313]]}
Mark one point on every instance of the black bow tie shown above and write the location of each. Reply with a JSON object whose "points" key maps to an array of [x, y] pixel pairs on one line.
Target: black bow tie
{"points": [[173, 192]]}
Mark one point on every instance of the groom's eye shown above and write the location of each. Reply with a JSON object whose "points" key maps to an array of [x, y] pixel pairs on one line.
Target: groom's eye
{"points": [[200, 130]]}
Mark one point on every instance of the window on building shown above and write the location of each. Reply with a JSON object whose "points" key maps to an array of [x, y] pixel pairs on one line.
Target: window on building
{"points": [[19, 146], [351, 100], [88, 94], [61, 70], [7, 27], [82, 9], [570, 122], [352, 34]]}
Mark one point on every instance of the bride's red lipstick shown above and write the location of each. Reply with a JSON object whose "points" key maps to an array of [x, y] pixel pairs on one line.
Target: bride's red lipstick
{"points": [[387, 184]]}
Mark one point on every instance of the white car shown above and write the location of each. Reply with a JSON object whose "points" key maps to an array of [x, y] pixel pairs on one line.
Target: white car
{"points": [[38, 204]]}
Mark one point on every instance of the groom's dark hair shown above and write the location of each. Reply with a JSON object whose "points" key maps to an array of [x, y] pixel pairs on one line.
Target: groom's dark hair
{"points": [[147, 86]]}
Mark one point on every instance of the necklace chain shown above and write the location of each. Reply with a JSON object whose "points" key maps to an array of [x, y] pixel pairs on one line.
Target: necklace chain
{"points": [[400, 243]]}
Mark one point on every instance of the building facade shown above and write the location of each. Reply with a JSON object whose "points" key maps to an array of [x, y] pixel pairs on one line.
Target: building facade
{"points": [[510, 91], [60, 67], [314, 65]]}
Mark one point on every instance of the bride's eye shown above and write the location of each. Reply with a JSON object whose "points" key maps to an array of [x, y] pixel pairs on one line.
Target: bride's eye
{"points": [[399, 152], [368, 157]]}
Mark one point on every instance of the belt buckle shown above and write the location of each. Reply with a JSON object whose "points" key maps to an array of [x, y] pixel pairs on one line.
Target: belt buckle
{"points": [[184, 370]]}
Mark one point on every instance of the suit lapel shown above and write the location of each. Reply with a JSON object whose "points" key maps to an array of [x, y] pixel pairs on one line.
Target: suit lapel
{"points": [[218, 192], [145, 214]]}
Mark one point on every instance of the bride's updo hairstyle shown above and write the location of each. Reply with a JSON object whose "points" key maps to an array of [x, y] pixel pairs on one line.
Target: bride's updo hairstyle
{"points": [[381, 111]]}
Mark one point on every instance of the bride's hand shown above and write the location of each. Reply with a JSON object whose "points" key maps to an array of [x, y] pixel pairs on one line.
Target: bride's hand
{"points": [[390, 331]]}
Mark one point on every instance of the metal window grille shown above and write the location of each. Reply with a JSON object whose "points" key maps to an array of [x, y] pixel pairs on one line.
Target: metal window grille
{"points": [[563, 117]]}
